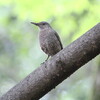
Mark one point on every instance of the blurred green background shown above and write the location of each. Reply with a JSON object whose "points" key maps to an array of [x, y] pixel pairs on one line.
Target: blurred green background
{"points": [[20, 53]]}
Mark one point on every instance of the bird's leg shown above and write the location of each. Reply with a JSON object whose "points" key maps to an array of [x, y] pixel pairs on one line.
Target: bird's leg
{"points": [[47, 58]]}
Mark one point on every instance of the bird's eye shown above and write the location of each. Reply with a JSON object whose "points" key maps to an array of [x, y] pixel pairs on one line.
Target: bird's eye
{"points": [[43, 23]]}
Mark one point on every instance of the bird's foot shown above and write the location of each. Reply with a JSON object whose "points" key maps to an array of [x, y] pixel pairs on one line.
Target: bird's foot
{"points": [[44, 62]]}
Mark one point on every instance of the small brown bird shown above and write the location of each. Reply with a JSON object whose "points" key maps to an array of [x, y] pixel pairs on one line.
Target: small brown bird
{"points": [[49, 40]]}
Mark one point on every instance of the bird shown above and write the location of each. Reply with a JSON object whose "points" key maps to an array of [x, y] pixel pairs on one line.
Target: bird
{"points": [[49, 39]]}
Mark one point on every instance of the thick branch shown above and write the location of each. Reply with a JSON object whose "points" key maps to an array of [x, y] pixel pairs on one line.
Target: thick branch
{"points": [[58, 68]]}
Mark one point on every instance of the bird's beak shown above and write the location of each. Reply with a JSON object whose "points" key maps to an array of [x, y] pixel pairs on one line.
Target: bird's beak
{"points": [[35, 23]]}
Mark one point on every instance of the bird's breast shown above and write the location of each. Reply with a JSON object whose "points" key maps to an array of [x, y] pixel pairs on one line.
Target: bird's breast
{"points": [[48, 42]]}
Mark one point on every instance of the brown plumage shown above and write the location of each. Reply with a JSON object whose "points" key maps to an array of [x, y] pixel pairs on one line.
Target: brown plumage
{"points": [[49, 40]]}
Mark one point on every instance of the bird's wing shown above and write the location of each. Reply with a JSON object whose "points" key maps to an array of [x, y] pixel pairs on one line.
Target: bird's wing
{"points": [[58, 39]]}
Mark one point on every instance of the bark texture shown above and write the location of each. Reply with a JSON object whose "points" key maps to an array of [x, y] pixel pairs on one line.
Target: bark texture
{"points": [[58, 68]]}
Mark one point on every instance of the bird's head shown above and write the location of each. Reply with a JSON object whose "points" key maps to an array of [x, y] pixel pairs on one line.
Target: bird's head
{"points": [[42, 25]]}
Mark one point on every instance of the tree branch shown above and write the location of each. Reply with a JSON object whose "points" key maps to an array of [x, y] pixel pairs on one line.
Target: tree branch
{"points": [[58, 68]]}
